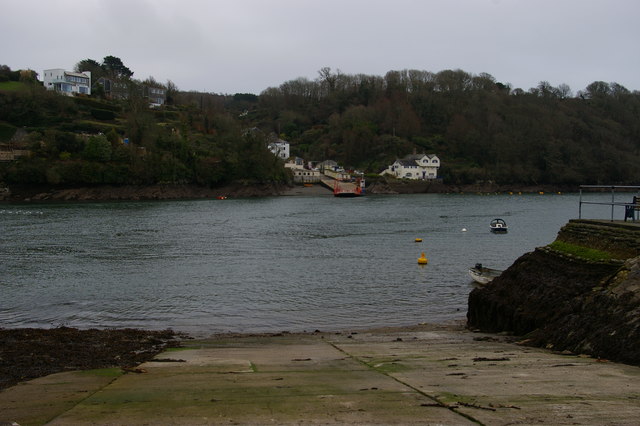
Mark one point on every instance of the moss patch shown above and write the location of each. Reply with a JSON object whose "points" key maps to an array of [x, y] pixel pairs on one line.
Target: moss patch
{"points": [[580, 251], [104, 372], [389, 367]]}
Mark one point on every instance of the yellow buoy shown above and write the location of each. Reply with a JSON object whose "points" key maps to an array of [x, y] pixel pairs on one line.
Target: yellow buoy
{"points": [[422, 260], [418, 240]]}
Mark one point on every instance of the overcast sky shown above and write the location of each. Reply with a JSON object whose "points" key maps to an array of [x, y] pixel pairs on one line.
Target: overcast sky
{"points": [[246, 46]]}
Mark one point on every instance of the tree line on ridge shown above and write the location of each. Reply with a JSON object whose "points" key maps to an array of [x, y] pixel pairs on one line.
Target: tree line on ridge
{"points": [[481, 129]]}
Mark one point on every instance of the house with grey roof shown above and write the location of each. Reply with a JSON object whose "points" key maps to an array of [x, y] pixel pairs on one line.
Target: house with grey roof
{"points": [[67, 82], [416, 166]]}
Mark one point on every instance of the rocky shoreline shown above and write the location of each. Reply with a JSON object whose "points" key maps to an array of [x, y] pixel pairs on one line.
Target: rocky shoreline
{"points": [[36, 193], [43, 193], [567, 303], [27, 353], [422, 187]]}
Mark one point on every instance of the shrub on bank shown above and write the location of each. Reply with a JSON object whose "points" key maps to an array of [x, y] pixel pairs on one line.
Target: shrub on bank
{"points": [[6, 132]]}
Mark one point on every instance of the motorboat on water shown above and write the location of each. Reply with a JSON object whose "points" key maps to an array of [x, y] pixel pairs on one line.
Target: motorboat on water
{"points": [[498, 226], [482, 274]]}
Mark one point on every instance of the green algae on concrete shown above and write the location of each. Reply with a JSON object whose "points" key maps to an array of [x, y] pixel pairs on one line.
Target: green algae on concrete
{"points": [[388, 366], [38, 401], [297, 389], [103, 372], [332, 379]]}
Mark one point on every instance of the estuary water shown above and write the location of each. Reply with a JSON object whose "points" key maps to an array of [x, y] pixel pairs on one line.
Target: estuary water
{"points": [[262, 265]]}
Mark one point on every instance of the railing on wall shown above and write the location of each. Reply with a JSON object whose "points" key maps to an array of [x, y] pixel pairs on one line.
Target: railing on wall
{"points": [[631, 209]]}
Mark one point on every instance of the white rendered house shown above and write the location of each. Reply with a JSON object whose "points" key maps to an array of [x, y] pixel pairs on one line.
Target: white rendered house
{"points": [[67, 82], [280, 148], [417, 166]]}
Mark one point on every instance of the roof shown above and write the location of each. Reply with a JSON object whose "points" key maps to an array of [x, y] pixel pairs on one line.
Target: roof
{"points": [[407, 163], [76, 74], [277, 144], [418, 156]]}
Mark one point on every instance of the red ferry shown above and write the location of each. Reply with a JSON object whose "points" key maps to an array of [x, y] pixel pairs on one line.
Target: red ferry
{"points": [[349, 189]]}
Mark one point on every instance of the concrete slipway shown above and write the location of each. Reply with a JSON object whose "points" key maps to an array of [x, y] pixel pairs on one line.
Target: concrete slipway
{"points": [[418, 375]]}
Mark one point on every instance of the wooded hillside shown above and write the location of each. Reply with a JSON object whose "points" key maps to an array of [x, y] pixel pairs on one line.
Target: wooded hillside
{"points": [[481, 129]]}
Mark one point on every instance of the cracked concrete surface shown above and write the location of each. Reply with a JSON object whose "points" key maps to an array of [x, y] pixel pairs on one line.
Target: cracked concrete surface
{"points": [[425, 374]]}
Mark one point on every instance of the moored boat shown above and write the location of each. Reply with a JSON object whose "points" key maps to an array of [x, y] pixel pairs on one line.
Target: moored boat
{"points": [[483, 275], [498, 226]]}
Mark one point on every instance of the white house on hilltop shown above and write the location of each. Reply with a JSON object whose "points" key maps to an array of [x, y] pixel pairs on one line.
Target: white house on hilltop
{"points": [[67, 82], [417, 166], [280, 148]]}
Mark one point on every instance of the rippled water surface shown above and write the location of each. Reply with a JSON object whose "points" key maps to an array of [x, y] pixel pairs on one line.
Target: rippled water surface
{"points": [[267, 264]]}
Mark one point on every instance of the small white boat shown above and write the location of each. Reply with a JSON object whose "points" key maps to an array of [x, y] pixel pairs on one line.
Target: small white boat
{"points": [[483, 275], [498, 226]]}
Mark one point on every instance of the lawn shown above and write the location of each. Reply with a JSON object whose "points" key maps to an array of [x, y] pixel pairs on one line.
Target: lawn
{"points": [[12, 86]]}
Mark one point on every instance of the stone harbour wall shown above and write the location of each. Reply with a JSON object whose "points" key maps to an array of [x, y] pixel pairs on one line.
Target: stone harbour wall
{"points": [[622, 239], [566, 303]]}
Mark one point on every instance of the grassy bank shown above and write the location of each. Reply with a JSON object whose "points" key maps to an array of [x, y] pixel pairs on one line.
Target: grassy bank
{"points": [[580, 251], [12, 86]]}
